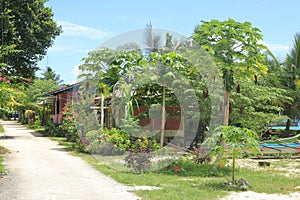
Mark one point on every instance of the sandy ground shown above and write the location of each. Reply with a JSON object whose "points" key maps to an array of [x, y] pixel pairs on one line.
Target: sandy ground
{"points": [[39, 169], [249, 195]]}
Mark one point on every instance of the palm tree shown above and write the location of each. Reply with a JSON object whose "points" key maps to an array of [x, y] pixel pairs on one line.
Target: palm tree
{"points": [[292, 64], [152, 42], [49, 74], [293, 61]]}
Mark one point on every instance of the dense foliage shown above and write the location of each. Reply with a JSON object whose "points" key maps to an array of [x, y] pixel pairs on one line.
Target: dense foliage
{"points": [[27, 30]]}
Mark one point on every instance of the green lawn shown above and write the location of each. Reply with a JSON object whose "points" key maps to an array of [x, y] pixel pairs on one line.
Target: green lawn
{"points": [[198, 182], [194, 181], [2, 152], [1, 129]]}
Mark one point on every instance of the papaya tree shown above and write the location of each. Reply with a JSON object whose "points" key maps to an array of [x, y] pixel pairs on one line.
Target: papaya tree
{"points": [[237, 51], [240, 140]]}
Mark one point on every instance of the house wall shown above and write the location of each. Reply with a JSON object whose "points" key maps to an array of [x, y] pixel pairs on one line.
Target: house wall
{"points": [[173, 119], [58, 106]]}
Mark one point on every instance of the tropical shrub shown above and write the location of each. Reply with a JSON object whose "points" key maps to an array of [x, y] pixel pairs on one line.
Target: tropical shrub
{"points": [[98, 143], [119, 138], [240, 141], [68, 124], [187, 167], [141, 153], [53, 130]]}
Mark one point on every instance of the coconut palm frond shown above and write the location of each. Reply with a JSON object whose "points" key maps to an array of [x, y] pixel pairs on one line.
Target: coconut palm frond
{"points": [[150, 39], [295, 52]]}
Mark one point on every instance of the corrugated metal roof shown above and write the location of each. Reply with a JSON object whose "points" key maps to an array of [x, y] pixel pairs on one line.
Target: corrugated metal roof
{"points": [[74, 86]]}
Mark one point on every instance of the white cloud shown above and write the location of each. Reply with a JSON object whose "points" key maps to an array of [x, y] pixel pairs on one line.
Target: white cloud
{"points": [[60, 48], [278, 47], [71, 29]]}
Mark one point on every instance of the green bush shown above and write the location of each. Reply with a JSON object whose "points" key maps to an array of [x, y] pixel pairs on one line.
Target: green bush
{"points": [[1, 129], [186, 167], [98, 143], [36, 124], [54, 130], [115, 142], [119, 138]]}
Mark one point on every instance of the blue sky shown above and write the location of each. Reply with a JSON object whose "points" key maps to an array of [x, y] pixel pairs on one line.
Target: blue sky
{"points": [[88, 23]]}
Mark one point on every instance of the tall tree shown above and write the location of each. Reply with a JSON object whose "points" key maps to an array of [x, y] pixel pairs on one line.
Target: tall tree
{"points": [[236, 50], [292, 67], [29, 27]]}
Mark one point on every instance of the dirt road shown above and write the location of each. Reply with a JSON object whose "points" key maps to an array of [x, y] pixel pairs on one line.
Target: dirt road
{"points": [[39, 169]]}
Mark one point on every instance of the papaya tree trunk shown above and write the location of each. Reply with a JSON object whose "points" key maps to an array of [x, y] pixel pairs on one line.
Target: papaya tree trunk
{"points": [[226, 115], [225, 123], [163, 116]]}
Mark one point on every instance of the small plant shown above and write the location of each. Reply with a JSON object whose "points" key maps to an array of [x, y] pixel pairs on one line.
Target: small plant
{"points": [[36, 124], [239, 141], [202, 155], [140, 154], [176, 169], [68, 124], [30, 116], [119, 138], [106, 142], [187, 167], [54, 130]]}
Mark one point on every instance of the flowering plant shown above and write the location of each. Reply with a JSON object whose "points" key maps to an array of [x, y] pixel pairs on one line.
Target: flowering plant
{"points": [[176, 169], [68, 123]]}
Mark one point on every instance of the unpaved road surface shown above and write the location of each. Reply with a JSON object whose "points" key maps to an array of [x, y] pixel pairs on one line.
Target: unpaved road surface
{"points": [[39, 169]]}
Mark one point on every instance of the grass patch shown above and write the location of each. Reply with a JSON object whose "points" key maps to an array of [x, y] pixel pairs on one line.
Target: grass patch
{"points": [[269, 181], [193, 181], [197, 181], [172, 186], [2, 152], [75, 147], [39, 129], [1, 129], [68, 146]]}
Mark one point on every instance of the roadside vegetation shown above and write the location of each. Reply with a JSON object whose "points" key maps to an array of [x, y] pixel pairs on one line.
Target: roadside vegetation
{"points": [[2, 152], [257, 87], [186, 179]]}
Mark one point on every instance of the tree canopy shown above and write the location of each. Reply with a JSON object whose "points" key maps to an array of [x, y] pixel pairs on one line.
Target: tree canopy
{"points": [[27, 31], [49, 74], [236, 50]]}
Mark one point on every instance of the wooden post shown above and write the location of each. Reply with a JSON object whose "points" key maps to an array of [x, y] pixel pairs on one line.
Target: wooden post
{"points": [[102, 111]]}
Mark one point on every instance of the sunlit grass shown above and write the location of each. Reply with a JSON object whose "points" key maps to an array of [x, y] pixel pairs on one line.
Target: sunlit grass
{"points": [[2, 151], [1, 129], [194, 181]]}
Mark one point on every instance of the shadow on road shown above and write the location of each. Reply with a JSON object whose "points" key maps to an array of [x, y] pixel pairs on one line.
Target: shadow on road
{"points": [[7, 137], [36, 134], [60, 149]]}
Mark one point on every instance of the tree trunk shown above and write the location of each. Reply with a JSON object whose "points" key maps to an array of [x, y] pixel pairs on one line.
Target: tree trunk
{"points": [[233, 166], [163, 116], [287, 125], [102, 111], [225, 123], [226, 114]]}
